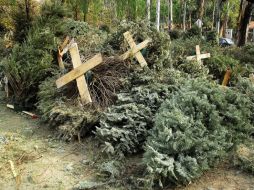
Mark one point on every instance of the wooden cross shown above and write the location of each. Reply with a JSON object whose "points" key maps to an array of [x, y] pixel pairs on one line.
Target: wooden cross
{"points": [[135, 49], [198, 56], [78, 73]]}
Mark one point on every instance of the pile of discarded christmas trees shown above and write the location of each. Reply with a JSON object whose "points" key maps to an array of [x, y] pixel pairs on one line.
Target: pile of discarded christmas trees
{"points": [[138, 93]]}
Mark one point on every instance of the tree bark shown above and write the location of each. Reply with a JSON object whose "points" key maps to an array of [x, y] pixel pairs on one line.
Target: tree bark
{"points": [[158, 8], [218, 4], [184, 15], [244, 19], [148, 8], [201, 5], [27, 5], [170, 14], [214, 10]]}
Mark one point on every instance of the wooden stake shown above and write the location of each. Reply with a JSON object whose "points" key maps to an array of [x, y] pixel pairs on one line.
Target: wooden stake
{"points": [[226, 77]]}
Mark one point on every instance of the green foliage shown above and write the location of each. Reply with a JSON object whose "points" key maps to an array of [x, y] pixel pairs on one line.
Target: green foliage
{"points": [[125, 126], [68, 117], [176, 34], [23, 19], [195, 31], [157, 54], [28, 65], [216, 65], [244, 55], [212, 37], [53, 10], [194, 129]]}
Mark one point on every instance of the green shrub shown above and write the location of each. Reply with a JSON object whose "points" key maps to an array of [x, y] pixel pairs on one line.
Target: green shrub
{"points": [[176, 34], [212, 37], [28, 65], [157, 54], [195, 31], [194, 129], [125, 126], [69, 117]]}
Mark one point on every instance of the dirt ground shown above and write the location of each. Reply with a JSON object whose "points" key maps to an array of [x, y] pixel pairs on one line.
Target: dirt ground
{"points": [[41, 162]]}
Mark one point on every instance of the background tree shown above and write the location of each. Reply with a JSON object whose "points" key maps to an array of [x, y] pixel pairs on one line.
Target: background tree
{"points": [[246, 9], [158, 9]]}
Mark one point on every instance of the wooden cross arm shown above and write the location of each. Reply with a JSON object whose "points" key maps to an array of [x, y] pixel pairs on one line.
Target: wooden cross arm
{"points": [[79, 71], [190, 58], [207, 55], [135, 50], [202, 56]]}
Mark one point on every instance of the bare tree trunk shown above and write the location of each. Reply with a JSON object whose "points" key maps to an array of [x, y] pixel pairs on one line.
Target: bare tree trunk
{"points": [[148, 9], [244, 19], [27, 5], [225, 26], [158, 8], [184, 15], [214, 10], [201, 5], [218, 16], [170, 14]]}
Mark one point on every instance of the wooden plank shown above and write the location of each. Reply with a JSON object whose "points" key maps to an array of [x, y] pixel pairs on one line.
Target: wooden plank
{"points": [[132, 52], [226, 77], [138, 55], [141, 59], [81, 81], [198, 53], [204, 56], [190, 58], [79, 71]]}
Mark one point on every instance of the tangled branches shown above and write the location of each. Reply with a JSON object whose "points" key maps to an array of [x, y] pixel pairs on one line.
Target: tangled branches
{"points": [[107, 80]]}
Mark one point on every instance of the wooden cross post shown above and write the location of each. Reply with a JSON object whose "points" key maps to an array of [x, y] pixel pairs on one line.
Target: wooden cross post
{"points": [[198, 56], [78, 73], [135, 49]]}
